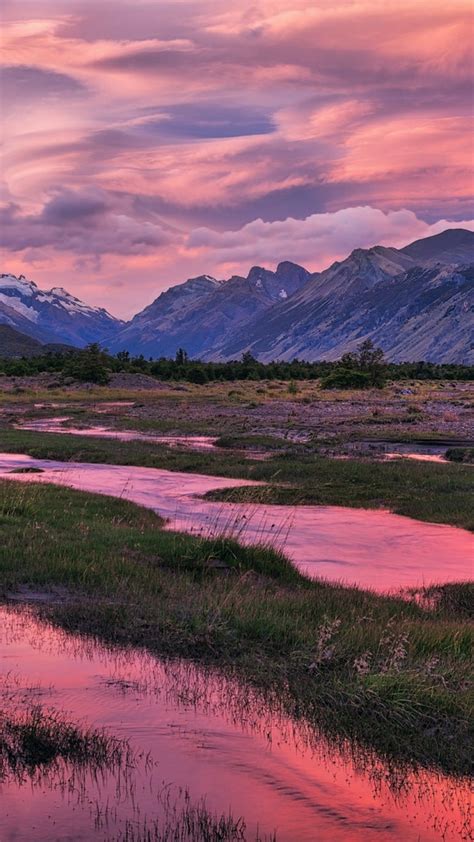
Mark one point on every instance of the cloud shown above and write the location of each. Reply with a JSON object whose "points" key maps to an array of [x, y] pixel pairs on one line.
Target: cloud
{"points": [[176, 137], [315, 241], [26, 82], [69, 206], [207, 120], [81, 223]]}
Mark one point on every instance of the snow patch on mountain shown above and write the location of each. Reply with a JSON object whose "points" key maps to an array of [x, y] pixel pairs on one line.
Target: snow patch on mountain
{"points": [[51, 315], [19, 306]]}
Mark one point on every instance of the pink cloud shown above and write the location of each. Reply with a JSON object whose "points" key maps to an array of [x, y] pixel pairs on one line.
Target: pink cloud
{"points": [[219, 136], [126, 278], [317, 240]]}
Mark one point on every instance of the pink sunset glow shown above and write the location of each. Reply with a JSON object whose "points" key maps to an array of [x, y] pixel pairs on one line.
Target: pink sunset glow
{"points": [[151, 141]]}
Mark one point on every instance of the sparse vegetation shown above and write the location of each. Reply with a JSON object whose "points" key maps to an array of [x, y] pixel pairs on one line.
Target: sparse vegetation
{"points": [[87, 366], [33, 739], [460, 454], [366, 367], [185, 821], [346, 378]]}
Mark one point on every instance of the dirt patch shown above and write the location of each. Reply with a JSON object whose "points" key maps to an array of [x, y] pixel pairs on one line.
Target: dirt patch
{"points": [[129, 382], [137, 382], [33, 382], [53, 596]]}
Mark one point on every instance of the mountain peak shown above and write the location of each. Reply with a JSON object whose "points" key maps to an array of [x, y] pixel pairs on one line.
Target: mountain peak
{"points": [[20, 283], [288, 265], [61, 291], [204, 282], [448, 236], [256, 272], [454, 245]]}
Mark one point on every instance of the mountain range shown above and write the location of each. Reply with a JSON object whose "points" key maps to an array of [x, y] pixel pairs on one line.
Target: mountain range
{"points": [[416, 303]]}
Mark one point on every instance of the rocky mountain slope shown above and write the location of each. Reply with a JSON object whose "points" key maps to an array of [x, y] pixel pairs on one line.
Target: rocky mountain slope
{"points": [[199, 314], [51, 316], [416, 303], [425, 313]]}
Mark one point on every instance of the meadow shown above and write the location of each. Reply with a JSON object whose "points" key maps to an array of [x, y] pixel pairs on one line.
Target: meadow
{"points": [[388, 673]]}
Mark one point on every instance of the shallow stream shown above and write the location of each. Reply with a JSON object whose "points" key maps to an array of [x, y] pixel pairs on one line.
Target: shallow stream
{"points": [[370, 548]]}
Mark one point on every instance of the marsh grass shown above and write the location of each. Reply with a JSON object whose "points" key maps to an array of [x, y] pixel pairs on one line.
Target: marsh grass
{"points": [[455, 599], [461, 454], [385, 671], [34, 740], [252, 442], [181, 820]]}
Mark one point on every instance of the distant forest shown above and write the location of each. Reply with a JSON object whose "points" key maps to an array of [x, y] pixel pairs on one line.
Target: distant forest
{"points": [[364, 368]]}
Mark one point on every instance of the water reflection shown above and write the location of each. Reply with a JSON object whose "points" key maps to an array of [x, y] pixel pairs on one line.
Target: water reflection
{"points": [[225, 743], [369, 548], [57, 425]]}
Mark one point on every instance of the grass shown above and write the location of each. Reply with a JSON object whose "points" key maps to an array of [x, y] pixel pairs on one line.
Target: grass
{"points": [[252, 442], [388, 673], [185, 821], [33, 740], [430, 492]]}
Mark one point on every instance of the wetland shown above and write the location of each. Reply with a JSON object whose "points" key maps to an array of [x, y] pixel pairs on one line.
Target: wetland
{"points": [[261, 620]]}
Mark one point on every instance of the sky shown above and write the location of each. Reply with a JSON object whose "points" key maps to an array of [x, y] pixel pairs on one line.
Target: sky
{"points": [[148, 141]]}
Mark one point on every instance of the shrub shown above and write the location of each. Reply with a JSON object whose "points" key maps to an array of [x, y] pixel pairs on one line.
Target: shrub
{"points": [[88, 366], [346, 378]]}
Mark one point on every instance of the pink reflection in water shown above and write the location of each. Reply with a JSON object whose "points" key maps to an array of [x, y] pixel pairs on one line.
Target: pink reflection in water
{"points": [[56, 425], [420, 457], [221, 740], [373, 549]]}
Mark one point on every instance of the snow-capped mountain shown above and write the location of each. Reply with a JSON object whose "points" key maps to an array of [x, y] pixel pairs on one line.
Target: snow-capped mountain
{"points": [[51, 315]]}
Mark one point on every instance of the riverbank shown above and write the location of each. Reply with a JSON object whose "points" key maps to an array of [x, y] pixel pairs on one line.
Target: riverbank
{"points": [[385, 672], [437, 493]]}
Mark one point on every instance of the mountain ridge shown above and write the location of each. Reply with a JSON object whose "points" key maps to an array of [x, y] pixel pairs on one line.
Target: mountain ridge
{"points": [[416, 300], [14, 344], [203, 318]]}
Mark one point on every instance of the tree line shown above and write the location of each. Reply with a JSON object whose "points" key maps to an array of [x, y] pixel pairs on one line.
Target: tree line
{"points": [[364, 368]]}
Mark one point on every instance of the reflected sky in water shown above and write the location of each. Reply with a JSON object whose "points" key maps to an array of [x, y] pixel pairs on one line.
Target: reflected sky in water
{"points": [[197, 729]]}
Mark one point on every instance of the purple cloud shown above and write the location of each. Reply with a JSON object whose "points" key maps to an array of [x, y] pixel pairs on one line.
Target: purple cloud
{"points": [[82, 223], [22, 82]]}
